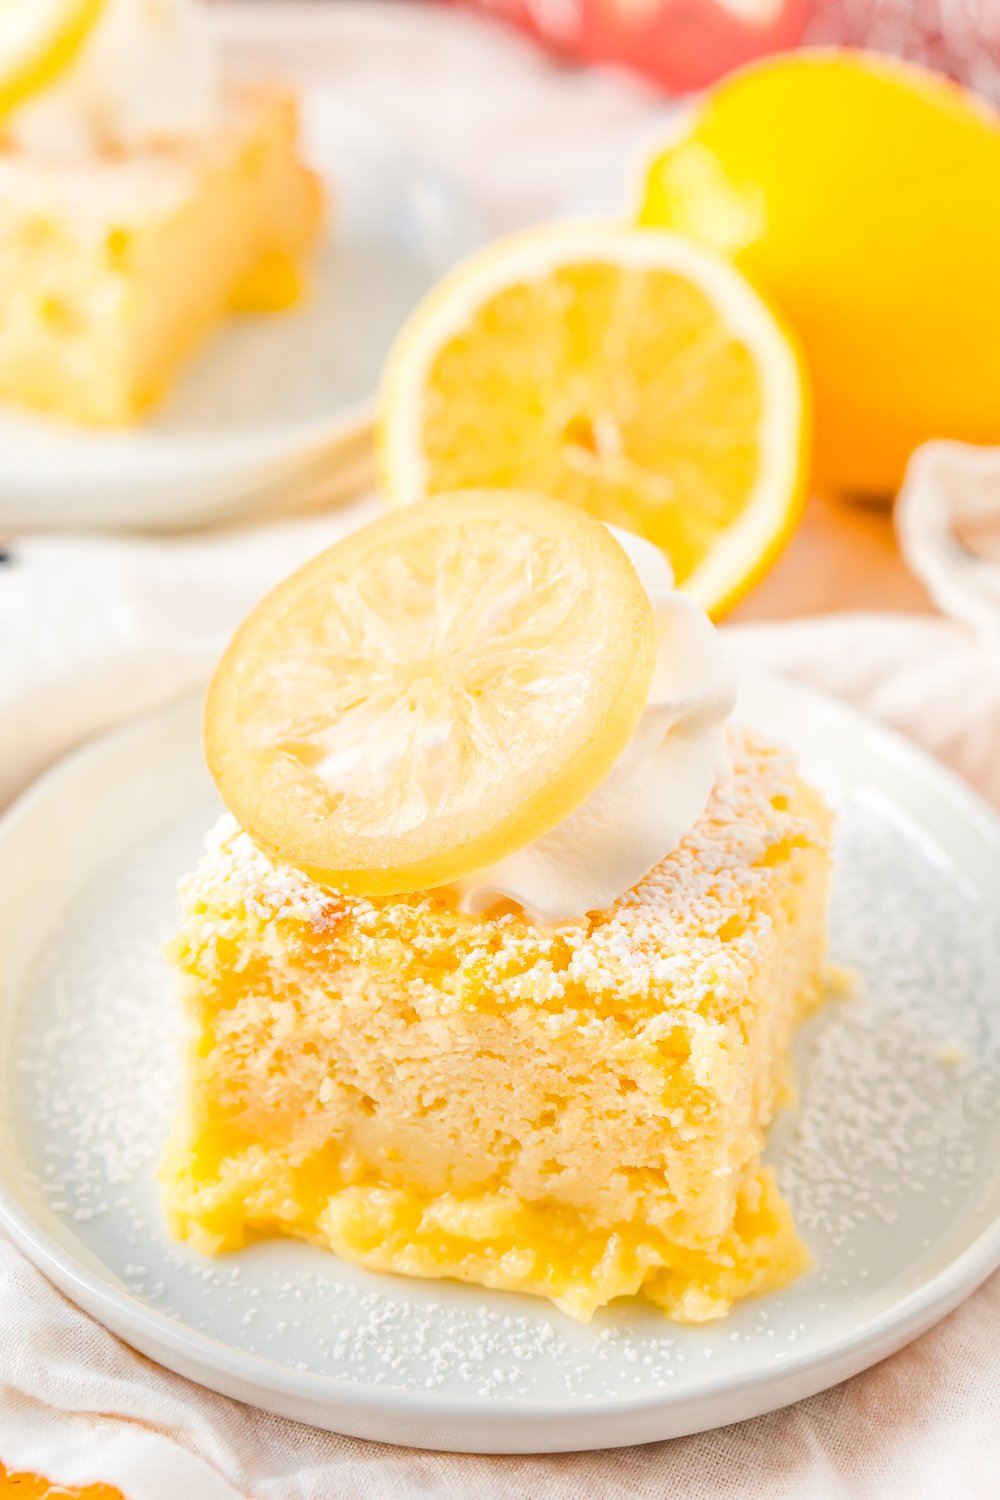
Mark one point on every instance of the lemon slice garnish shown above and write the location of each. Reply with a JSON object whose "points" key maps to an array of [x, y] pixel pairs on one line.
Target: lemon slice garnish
{"points": [[625, 371], [433, 692], [39, 39]]}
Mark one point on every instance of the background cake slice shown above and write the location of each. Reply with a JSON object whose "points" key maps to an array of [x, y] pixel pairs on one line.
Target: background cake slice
{"points": [[577, 1112], [115, 267]]}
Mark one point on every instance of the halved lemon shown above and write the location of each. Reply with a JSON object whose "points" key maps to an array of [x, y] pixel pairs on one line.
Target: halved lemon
{"points": [[625, 371], [38, 40], [433, 692]]}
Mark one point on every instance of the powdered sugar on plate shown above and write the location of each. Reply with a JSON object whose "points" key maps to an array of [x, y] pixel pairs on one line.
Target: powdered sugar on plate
{"points": [[889, 1159]]}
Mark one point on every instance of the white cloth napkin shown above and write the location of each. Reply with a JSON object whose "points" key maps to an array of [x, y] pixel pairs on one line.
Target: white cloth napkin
{"points": [[93, 630], [948, 518]]}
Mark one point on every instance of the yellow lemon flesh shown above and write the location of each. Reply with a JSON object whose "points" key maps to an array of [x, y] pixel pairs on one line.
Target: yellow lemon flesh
{"points": [[860, 196], [39, 39], [433, 692], [625, 372]]}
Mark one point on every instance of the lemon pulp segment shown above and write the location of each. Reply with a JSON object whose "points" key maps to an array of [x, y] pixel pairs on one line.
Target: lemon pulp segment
{"points": [[625, 372], [432, 692]]}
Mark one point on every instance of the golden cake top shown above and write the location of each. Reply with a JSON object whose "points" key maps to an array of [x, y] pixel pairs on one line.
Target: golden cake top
{"points": [[690, 925]]}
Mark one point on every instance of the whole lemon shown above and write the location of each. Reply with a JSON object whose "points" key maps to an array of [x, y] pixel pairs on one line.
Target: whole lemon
{"points": [[862, 197]]}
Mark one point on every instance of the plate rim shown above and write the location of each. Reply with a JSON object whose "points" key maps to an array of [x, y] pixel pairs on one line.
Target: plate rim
{"points": [[583, 1424]]}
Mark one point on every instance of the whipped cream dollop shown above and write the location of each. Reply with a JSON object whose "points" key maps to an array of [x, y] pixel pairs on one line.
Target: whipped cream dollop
{"points": [[656, 790], [145, 76]]}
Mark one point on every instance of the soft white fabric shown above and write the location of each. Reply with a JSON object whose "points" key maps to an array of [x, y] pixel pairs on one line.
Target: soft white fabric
{"points": [[948, 519], [94, 630]]}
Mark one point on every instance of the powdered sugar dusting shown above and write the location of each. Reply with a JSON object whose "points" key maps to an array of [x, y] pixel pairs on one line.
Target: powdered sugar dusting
{"points": [[883, 1063], [666, 929], [890, 1153]]}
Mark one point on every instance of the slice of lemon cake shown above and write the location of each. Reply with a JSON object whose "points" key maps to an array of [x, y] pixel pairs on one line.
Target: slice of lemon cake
{"points": [[494, 970], [577, 1112], [141, 199]]}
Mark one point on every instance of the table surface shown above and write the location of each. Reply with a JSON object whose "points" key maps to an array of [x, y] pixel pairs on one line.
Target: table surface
{"points": [[842, 557]]}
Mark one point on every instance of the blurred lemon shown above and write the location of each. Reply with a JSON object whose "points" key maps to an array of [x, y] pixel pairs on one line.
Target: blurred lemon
{"points": [[38, 40], [862, 197], [627, 372]]}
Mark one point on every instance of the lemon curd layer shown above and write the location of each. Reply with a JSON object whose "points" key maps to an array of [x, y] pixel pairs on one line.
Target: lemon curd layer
{"points": [[577, 1111], [115, 268]]}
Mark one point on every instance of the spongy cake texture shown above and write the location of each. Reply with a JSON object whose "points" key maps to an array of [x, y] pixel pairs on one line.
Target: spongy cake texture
{"points": [[577, 1112], [114, 270]]}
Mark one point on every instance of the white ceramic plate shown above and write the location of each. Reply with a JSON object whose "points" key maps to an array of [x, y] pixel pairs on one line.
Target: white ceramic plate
{"points": [[270, 396], [890, 1160]]}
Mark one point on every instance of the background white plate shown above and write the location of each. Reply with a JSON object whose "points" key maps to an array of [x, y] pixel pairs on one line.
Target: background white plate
{"points": [[890, 1160], [268, 399]]}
